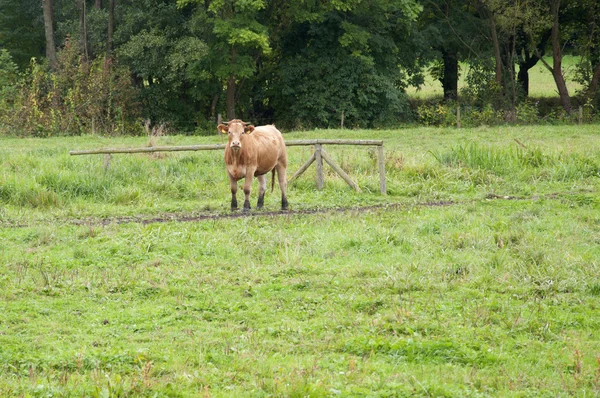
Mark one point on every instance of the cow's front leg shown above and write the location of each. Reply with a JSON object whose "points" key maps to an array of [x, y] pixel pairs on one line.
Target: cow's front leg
{"points": [[234, 187], [247, 188], [262, 188]]}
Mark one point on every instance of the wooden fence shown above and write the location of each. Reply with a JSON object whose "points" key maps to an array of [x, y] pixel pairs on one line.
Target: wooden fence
{"points": [[317, 157]]}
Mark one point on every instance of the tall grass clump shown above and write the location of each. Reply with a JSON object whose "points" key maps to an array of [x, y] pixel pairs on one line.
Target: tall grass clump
{"points": [[516, 160]]}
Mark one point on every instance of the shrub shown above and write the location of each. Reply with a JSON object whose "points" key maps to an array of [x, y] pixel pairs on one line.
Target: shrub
{"points": [[79, 96], [528, 112], [437, 114]]}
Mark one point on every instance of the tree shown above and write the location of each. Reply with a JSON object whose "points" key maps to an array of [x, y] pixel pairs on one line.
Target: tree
{"points": [[111, 28], [83, 47], [556, 67], [156, 40], [453, 32], [20, 33], [340, 58], [49, 31], [585, 16], [236, 38], [550, 17], [528, 55]]}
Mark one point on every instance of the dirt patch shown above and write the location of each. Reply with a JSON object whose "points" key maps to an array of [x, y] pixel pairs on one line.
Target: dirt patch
{"points": [[196, 217]]}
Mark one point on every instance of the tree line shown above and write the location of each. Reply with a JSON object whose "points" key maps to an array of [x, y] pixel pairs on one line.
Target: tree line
{"points": [[71, 66]]}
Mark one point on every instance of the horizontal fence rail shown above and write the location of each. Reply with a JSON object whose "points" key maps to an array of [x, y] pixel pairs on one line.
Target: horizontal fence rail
{"points": [[214, 147], [317, 157]]}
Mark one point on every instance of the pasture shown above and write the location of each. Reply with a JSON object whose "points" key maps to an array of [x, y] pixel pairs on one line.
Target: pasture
{"points": [[478, 274], [541, 83]]}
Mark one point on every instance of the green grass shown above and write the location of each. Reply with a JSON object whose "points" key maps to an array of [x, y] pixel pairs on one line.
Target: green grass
{"points": [[485, 297], [541, 82]]}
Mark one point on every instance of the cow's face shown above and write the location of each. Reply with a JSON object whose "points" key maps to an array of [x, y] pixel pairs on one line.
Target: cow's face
{"points": [[235, 129]]}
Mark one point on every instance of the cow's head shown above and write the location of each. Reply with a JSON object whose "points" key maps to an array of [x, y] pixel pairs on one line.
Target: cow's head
{"points": [[235, 129]]}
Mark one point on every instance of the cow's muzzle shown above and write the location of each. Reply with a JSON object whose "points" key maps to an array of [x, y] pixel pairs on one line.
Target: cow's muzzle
{"points": [[236, 147]]}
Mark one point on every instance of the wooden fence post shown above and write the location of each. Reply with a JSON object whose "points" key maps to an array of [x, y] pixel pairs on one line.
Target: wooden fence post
{"points": [[457, 116], [381, 161], [580, 115], [107, 157], [319, 160]]}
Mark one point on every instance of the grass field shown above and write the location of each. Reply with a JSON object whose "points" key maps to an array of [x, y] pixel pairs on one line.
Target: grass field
{"points": [[477, 275], [541, 82]]}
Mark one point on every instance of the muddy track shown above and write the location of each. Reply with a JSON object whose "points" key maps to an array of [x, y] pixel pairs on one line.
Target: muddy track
{"points": [[194, 217]]}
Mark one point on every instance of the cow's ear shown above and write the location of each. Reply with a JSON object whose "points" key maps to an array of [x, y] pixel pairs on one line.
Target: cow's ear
{"points": [[249, 129], [223, 128]]}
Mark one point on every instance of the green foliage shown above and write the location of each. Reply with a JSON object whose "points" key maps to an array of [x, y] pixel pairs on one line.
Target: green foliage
{"points": [[437, 114], [78, 97], [21, 30], [8, 83], [297, 63], [347, 62], [481, 89], [315, 97], [528, 112]]}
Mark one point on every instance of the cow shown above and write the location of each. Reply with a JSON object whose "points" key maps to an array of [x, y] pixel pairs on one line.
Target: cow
{"points": [[253, 152]]}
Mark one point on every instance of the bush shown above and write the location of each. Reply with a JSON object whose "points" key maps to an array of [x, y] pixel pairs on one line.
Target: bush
{"points": [[528, 112], [78, 97], [437, 114]]}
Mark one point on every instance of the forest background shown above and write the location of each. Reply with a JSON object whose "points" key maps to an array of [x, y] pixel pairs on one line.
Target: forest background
{"points": [[121, 67]]}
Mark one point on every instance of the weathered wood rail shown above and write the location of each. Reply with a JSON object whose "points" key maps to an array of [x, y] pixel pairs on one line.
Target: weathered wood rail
{"points": [[318, 156]]}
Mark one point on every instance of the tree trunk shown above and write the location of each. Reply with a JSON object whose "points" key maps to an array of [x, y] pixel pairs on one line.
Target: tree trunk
{"points": [[230, 95], [230, 98], [82, 30], [98, 4], [561, 85], [508, 62], [450, 78], [49, 30], [213, 105], [111, 28], [136, 81], [594, 83], [528, 60], [523, 78], [496, 45]]}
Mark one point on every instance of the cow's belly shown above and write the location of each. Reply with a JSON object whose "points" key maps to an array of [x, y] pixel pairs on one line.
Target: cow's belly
{"points": [[265, 166], [262, 171]]}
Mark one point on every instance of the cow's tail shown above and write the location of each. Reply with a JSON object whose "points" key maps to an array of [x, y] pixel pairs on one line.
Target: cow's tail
{"points": [[273, 181]]}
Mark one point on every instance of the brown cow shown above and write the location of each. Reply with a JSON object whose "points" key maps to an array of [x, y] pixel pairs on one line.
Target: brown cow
{"points": [[253, 152]]}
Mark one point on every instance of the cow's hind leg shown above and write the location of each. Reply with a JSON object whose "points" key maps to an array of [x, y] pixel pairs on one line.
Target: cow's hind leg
{"points": [[281, 177], [234, 187], [262, 188]]}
